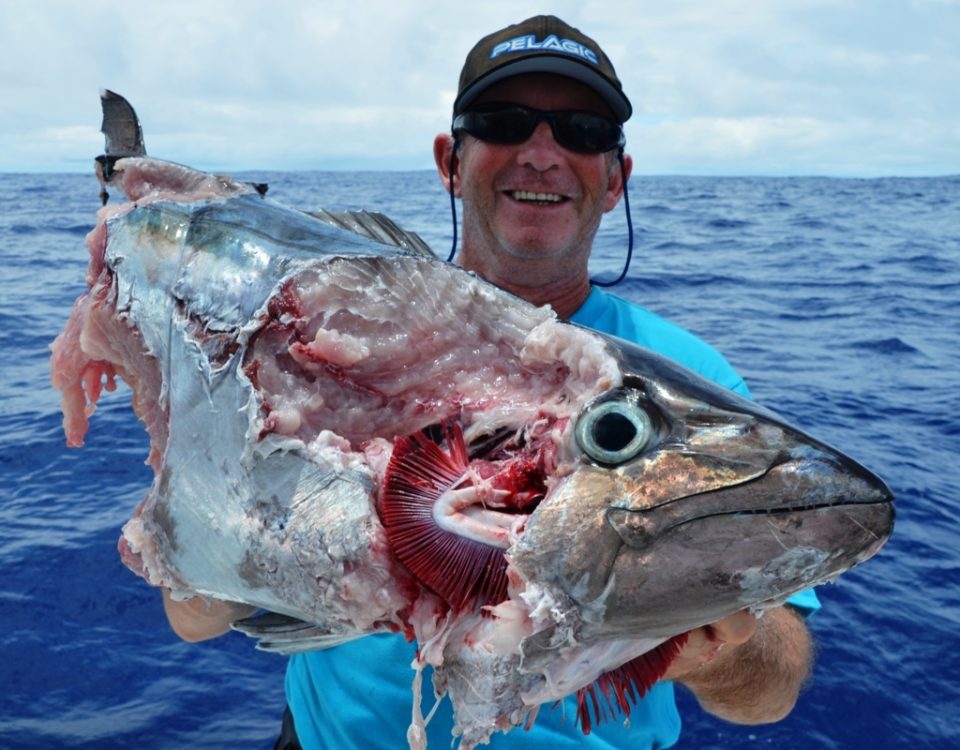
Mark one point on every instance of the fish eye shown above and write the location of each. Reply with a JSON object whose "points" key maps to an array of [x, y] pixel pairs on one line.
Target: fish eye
{"points": [[613, 432]]}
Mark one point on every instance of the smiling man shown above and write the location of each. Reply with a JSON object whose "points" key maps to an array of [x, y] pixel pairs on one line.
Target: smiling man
{"points": [[531, 209], [536, 155]]}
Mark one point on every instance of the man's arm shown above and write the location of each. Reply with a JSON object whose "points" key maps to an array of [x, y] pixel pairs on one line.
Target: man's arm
{"points": [[199, 618], [747, 670]]}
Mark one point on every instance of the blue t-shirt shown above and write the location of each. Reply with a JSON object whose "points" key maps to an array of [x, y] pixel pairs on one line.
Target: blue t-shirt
{"points": [[358, 696], [608, 313]]}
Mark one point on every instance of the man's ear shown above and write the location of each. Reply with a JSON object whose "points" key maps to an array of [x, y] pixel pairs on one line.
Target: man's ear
{"points": [[445, 148], [616, 182]]}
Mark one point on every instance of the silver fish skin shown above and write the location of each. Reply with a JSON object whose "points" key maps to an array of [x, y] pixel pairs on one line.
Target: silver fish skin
{"points": [[280, 365]]}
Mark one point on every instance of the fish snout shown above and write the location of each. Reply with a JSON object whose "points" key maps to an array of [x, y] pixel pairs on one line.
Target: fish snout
{"points": [[813, 514]]}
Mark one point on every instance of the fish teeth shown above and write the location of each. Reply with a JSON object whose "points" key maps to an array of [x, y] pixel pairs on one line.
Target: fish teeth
{"points": [[526, 195]]}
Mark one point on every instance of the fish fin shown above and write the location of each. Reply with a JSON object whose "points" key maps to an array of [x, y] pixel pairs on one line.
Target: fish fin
{"points": [[122, 136], [376, 226], [120, 127], [464, 572], [288, 635], [622, 687]]}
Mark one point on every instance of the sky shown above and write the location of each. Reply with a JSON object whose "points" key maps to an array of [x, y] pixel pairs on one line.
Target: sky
{"points": [[847, 88]]}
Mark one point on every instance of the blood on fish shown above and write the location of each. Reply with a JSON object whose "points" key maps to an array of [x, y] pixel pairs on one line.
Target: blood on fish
{"points": [[252, 371], [285, 302]]}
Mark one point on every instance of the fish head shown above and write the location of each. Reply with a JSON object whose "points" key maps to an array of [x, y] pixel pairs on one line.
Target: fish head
{"points": [[689, 503]]}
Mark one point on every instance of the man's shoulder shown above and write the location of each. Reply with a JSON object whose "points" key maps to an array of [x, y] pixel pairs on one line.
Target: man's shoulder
{"points": [[603, 310], [609, 313]]}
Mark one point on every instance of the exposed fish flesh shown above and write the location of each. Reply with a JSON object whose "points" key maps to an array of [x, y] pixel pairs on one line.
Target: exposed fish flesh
{"points": [[361, 438]]}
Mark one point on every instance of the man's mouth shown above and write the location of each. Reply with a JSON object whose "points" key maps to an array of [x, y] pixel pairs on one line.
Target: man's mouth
{"points": [[526, 196]]}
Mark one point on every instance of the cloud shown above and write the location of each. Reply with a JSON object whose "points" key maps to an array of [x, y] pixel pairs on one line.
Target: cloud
{"points": [[792, 146], [719, 86]]}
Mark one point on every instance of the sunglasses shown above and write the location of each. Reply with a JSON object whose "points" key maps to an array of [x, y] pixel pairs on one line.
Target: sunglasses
{"points": [[584, 132]]}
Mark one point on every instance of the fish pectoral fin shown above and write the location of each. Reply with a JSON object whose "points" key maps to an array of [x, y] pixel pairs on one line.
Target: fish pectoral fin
{"points": [[283, 634]]}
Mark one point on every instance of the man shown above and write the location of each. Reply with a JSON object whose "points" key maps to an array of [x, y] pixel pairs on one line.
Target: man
{"points": [[536, 157]]}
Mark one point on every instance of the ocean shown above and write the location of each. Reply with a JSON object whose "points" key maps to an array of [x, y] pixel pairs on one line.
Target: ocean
{"points": [[837, 299]]}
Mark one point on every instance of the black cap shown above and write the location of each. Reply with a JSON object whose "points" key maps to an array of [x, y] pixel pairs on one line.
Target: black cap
{"points": [[542, 44]]}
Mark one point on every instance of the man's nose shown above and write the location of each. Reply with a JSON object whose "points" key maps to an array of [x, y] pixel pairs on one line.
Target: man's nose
{"points": [[540, 150]]}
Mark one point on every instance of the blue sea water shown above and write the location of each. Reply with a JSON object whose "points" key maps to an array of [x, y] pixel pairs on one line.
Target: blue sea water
{"points": [[838, 299]]}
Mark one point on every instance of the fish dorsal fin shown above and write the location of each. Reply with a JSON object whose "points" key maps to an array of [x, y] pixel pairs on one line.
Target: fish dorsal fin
{"points": [[375, 226], [120, 127], [122, 136]]}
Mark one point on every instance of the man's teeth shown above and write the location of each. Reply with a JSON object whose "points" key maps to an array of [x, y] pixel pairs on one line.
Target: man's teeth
{"points": [[526, 195]]}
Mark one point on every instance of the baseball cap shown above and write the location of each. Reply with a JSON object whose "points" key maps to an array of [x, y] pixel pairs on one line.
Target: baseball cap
{"points": [[542, 44]]}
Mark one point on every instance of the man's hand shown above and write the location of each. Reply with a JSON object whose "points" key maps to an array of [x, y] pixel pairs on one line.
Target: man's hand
{"points": [[746, 669], [199, 618]]}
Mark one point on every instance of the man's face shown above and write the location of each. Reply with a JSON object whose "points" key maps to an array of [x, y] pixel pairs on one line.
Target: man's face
{"points": [[530, 210]]}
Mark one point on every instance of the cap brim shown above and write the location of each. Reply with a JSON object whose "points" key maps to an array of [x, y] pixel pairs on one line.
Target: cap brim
{"points": [[618, 103]]}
